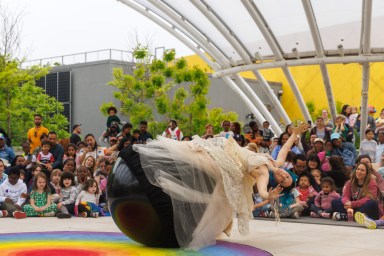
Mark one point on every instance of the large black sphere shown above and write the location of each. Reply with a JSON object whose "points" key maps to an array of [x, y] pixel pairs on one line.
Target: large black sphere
{"points": [[141, 211]]}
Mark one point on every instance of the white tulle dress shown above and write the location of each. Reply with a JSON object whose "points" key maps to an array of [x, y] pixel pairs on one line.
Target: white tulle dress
{"points": [[208, 182]]}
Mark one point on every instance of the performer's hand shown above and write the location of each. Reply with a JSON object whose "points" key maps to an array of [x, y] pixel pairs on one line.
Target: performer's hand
{"points": [[300, 128], [275, 192]]}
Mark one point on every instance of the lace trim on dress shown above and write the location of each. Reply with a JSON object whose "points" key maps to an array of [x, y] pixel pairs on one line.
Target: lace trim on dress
{"points": [[233, 168]]}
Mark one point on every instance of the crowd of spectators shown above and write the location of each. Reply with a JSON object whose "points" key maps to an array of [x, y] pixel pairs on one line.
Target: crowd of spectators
{"points": [[69, 177]]}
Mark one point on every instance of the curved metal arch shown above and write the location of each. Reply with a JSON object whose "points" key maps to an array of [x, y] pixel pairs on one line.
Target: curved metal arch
{"points": [[171, 29], [300, 62], [205, 42], [144, 10], [227, 33], [365, 48], [320, 54], [274, 45]]}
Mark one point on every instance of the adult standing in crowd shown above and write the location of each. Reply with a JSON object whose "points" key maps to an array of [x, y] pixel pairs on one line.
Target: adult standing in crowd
{"points": [[57, 151], [6, 152], [34, 133], [8, 140], [327, 122], [320, 130], [75, 137], [144, 134]]}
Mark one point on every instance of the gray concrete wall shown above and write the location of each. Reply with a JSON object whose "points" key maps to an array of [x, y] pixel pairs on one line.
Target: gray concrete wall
{"points": [[89, 91]]}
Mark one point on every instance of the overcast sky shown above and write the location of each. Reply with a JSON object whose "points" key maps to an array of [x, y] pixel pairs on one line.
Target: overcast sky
{"points": [[59, 27]]}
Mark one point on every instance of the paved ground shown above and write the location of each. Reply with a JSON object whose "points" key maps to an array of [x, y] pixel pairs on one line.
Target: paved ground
{"points": [[285, 238]]}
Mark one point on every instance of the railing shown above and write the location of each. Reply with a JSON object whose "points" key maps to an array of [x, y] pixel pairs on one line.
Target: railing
{"points": [[83, 57]]}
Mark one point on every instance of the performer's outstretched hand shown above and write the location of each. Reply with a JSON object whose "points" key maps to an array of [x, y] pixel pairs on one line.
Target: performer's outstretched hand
{"points": [[300, 128], [275, 192]]}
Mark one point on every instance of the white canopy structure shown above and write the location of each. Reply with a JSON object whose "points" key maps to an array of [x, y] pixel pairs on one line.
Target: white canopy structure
{"points": [[233, 36]]}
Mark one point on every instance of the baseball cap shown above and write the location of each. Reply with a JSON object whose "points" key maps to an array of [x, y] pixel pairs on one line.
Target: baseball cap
{"points": [[319, 140], [75, 126], [335, 136], [2, 136]]}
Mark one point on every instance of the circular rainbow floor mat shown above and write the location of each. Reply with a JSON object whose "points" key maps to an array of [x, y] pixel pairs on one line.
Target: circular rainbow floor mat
{"points": [[77, 243]]}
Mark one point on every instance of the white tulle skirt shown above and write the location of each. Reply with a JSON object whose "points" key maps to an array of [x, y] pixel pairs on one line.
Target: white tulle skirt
{"points": [[208, 182]]}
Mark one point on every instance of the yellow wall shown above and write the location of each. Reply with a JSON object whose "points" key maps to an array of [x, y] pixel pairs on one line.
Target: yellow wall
{"points": [[345, 80]]}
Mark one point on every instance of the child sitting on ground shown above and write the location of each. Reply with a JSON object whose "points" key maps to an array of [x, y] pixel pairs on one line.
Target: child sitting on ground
{"points": [[45, 157], [323, 201], [261, 207], [55, 183], [307, 192], [69, 193], [88, 200], [12, 194], [40, 199], [82, 175]]}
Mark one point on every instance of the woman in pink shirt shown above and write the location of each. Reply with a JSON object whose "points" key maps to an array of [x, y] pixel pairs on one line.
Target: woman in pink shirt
{"points": [[360, 193]]}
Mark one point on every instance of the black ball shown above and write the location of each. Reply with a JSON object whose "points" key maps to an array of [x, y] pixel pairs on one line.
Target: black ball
{"points": [[141, 210]]}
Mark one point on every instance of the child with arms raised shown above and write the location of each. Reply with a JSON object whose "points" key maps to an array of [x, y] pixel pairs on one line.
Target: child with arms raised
{"points": [[88, 200], [323, 201], [66, 206], [40, 199]]}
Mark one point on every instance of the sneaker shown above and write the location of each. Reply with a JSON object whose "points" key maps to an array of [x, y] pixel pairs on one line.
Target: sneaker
{"points": [[61, 215], [271, 214], [362, 219], [49, 214], [19, 215], [336, 216], [264, 214], [314, 215], [343, 217], [295, 215], [95, 214], [3, 213], [325, 215], [83, 214]]}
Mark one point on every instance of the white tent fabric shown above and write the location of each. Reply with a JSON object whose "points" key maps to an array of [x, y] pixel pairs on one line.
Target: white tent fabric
{"points": [[249, 35]]}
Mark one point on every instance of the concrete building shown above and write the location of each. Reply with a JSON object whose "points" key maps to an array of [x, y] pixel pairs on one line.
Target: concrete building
{"points": [[82, 87]]}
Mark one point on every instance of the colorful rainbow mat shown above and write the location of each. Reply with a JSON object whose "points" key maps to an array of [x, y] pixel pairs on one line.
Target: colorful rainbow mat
{"points": [[76, 243]]}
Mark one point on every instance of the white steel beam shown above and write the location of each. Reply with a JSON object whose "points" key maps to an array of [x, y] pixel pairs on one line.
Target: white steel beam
{"points": [[365, 47], [227, 34], [320, 53], [300, 62], [259, 104], [171, 29], [194, 32], [256, 16]]}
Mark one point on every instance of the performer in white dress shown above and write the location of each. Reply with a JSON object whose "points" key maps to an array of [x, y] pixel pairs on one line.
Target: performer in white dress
{"points": [[209, 181]]}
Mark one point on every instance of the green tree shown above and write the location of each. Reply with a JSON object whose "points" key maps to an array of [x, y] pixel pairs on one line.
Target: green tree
{"points": [[160, 90], [20, 99]]}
